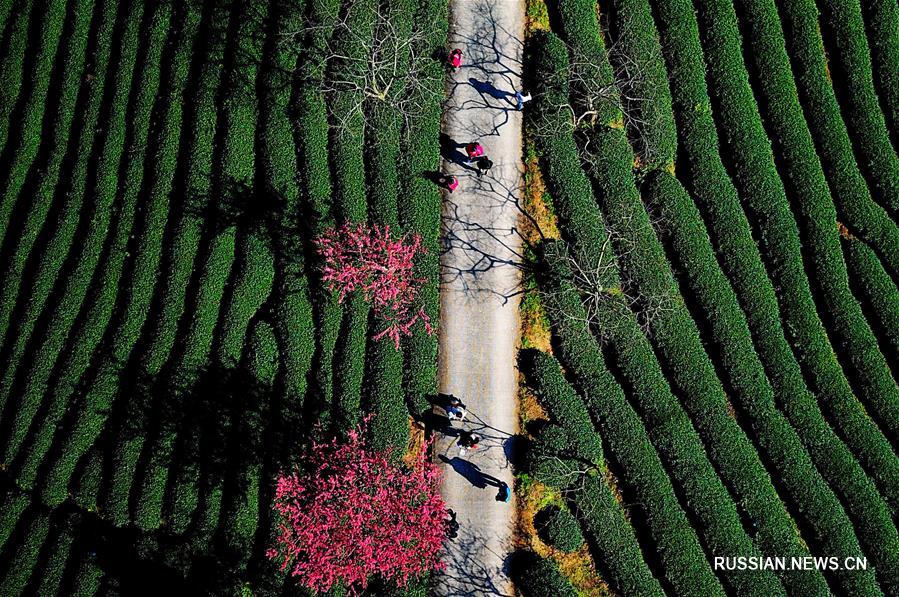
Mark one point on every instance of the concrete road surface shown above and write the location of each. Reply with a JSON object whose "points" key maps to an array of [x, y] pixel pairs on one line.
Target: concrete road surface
{"points": [[479, 283]]}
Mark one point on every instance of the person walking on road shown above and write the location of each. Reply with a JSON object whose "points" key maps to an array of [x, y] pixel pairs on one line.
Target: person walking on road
{"points": [[484, 164], [456, 413], [450, 183], [452, 527], [468, 441], [520, 100], [455, 59], [474, 150]]}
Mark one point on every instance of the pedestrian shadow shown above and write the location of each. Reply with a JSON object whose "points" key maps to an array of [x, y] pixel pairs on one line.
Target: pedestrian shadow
{"points": [[472, 472], [488, 89]]}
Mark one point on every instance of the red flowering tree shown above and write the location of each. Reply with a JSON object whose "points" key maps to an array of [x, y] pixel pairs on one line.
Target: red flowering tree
{"points": [[351, 514], [369, 260]]}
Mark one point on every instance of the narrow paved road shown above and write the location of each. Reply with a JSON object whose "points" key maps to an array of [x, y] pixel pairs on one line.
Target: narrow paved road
{"points": [[479, 282]]}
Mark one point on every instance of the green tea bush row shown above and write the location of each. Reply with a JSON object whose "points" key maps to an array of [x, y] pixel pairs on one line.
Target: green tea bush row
{"points": [[580, 28], [85, 487], [544, 377], [310, 132], [748, 384], [882, 19], [865, 218], [602, 518], [551, 459], [542, 577], [874, 288], [14, 504], [348, 165], [231, 180], [384, 388], [347, 136], [558, 528], [701, 476], [610, 533], [46, 179], [676, 543], [694, 253], [311, 135], [5, 7], [384, 393], [254, 273], [645, 95], [75, 286], [420, 209], [59, 547], [804, 180], [739, 256], [24, 148], [24, 559], [560, 159], [144, 273], [12, 64], [349, 365], [94, 406], [241, 512], [765, 199], [294, 325], [677, 341], [88, 577], [187, 207], [57, 247], [849, 60]]}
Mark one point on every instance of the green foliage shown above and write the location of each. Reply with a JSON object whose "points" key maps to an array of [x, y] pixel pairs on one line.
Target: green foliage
{"points": [[545, 378], [675, 540], [882, 21], [14, 504], [643, 82], [59, 546], [349, 366], [711, 187], [694, 255], [93, 409], [536, 577], [419, 210], [849, 59], [611, 534], [877, 291], [814, 214], [42, 190], [241, 511], [558, 528], [850, 193], [560, 160], [25, 556], [76, 284]]}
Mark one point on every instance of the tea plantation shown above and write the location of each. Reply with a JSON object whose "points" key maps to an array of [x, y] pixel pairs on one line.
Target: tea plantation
{"points": [[722, 297], [722, 301], [167, 343]]}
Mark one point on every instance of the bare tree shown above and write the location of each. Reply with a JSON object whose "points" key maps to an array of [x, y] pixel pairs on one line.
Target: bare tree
{"points": [[594, 91], [376, 56], [612, 311]]}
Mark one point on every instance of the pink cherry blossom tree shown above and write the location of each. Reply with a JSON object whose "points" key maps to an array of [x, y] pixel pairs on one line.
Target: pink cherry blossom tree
{"points": [[369, 260], [352, 514]]}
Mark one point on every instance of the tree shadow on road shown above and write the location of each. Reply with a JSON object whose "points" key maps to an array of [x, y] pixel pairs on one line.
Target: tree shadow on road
{"points": [[467, 573]]}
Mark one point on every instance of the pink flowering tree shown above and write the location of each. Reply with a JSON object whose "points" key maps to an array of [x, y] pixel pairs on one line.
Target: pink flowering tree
{"points": [[352, 514], [369, 260]]}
